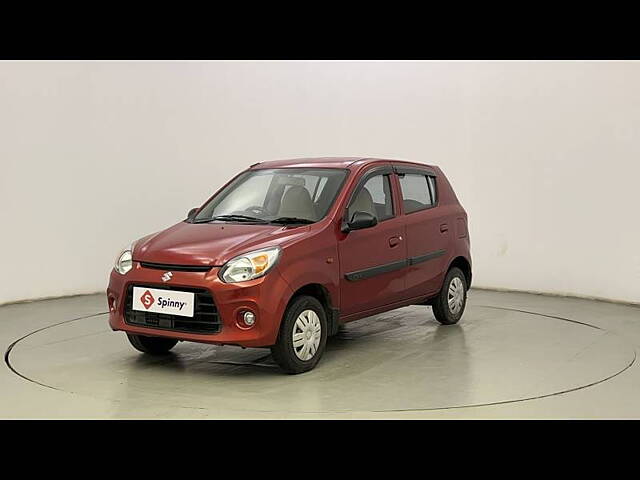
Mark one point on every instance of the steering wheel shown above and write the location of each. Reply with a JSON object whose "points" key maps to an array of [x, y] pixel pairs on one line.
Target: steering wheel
{"points": [[256, 210]]}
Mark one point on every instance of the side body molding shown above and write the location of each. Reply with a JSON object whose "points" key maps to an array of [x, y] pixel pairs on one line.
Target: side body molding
{"points": [[390, 267]]}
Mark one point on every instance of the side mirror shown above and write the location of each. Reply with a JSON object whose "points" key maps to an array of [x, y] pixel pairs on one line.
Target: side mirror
{"points": [[192, 213], [361, 220]]}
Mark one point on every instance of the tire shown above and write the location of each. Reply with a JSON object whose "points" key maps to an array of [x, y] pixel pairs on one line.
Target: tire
{"points": [[297, 320], [445, 313], [152, 345]]}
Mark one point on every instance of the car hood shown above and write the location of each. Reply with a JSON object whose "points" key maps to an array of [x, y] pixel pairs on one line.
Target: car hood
{"points": [[211, 244]]}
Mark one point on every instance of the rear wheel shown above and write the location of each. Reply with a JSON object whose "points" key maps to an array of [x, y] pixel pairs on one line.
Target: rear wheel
{"points": [[302, 337], [450, 303], [151, 345]]}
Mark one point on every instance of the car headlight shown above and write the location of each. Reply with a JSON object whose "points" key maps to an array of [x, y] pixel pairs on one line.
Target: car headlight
{"points": [[249, 265], [124, 261]]}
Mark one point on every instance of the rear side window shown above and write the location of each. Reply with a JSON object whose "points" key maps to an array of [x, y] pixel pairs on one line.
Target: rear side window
{"points": [[418, 191]]}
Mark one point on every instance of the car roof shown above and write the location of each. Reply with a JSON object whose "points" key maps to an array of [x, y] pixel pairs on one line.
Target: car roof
{"points": [[330, 162]]}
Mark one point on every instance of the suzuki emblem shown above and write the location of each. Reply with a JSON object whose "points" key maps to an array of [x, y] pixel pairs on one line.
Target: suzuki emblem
{"points": [[167, 276]]}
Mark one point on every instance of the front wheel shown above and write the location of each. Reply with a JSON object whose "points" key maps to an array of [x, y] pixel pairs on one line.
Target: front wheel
{"points": [[151, 345], [302, 337], [449, 305]]}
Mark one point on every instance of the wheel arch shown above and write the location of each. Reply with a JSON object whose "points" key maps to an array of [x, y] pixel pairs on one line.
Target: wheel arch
{"points": [[463, 264], [323, 295]]}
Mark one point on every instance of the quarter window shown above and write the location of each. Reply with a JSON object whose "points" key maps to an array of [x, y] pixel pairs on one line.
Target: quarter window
{"points": [[432, 189], [418, 192]]}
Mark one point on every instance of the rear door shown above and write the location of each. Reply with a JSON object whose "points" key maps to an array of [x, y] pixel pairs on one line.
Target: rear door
{"points": [[427, 230], [373, 260]]}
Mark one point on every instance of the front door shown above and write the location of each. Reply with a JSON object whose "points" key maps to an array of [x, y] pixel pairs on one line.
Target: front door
{"points": [[373, 260]]}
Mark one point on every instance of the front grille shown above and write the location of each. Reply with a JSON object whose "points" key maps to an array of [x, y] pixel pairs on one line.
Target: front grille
{"points": [[205, 314], [177, 268]]}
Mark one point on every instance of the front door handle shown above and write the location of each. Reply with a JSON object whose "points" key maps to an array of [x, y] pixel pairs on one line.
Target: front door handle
{"points": [[394, 241], [444, 228]]}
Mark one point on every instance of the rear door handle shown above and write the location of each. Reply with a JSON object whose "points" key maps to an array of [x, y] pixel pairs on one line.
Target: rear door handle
{"points": [[444, 228], [394, 241]]}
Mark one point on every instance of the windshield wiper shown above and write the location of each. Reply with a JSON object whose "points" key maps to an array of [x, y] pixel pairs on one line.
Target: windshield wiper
{"points": [[240, 218], [249, 219], [236, 218], [291, 220]]}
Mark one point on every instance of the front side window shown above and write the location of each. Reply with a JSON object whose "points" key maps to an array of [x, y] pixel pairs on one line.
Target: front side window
{"points": [[416, 192], [286, 195], [373, 197]]}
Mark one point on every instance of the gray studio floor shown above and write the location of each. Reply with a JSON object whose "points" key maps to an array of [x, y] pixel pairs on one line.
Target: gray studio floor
{"points": [[513, 355]]}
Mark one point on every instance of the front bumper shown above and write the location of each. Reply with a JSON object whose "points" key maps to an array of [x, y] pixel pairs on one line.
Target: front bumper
{"points": [[266, 297]]}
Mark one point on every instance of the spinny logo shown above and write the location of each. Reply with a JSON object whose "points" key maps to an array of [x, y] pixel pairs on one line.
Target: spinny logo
{"points": [[147, 299]]}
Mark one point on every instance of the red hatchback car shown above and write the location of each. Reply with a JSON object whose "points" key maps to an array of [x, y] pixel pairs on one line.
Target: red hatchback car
{"points": [[288, 250]]}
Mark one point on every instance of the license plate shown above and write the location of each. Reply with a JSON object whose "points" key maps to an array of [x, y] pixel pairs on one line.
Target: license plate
{"points": [[155, 300]]}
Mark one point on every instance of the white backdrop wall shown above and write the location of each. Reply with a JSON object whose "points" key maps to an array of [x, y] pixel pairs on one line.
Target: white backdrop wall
{"points": [[544, 157]]}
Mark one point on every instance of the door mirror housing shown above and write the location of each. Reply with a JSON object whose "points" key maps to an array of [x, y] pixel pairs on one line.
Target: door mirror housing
{"points": [[192, 213], [361, 220]]}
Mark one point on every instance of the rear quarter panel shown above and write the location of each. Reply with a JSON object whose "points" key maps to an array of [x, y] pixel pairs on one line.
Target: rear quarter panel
{"points": [[459, 241]]}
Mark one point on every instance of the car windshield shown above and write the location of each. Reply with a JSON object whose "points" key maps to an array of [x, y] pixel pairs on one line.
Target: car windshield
{"points": [[280, 195]]}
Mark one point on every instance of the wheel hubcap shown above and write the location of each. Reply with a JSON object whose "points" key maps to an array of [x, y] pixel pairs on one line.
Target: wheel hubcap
{"points": [[306, 335], [455, 297]]}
